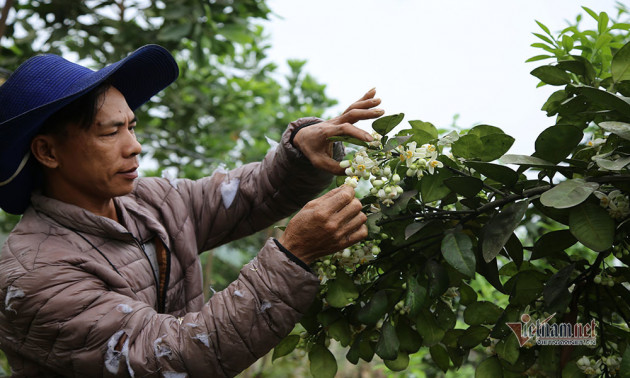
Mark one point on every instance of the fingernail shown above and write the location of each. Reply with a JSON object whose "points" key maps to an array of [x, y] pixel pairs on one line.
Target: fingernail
{"points": [[379, 110]]}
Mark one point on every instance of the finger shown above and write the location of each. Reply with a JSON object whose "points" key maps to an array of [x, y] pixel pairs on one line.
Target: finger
{"points": [[351, 130], [354, 115], [332, 192], [365, 104], [352, 223], [355, 236], [342, 197], [326, 163], [348, 212], [369, 94]]}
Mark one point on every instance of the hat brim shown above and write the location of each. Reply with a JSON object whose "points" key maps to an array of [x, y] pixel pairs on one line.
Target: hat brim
{"points": [[139, 76]]}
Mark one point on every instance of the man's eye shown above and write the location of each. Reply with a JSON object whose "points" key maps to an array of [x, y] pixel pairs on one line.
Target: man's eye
{"points": [[112, 134]]}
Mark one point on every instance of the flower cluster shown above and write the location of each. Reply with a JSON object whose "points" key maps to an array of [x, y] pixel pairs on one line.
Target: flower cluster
{"points": [[590, 366], [349, 259], [419, 159], [379, 167], [616, 203]]}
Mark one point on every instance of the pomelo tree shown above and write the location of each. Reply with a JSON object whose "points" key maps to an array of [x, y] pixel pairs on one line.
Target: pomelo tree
{"points": [[450, 211]]}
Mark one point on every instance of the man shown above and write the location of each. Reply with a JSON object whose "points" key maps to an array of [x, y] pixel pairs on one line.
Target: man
{"points": [[101, 276]]}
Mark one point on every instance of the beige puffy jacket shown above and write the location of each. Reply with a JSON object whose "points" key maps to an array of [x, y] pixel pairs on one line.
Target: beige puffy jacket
{"points": [[81, 299]]}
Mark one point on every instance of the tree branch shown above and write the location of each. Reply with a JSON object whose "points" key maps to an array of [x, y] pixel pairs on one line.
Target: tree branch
{"points": [[4, 15]]}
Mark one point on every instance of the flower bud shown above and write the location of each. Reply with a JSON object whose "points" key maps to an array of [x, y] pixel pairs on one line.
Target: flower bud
{"points": [[344, 163], [387, 171], [396, 178]]}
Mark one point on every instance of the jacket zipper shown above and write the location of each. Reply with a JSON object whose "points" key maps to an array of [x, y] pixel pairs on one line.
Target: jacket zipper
{"points": [[162, 302], [157, 281]]}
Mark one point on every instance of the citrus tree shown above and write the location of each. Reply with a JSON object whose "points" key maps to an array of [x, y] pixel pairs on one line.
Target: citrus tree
{"points": [[450, 210]]}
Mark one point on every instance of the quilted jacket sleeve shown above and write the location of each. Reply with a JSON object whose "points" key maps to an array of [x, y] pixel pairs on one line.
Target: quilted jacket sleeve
{"points": [[229, 205], [72, 318]]}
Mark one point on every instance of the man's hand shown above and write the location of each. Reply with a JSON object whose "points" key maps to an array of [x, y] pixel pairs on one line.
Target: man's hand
{"points": [[313, 140], [326, 225]]}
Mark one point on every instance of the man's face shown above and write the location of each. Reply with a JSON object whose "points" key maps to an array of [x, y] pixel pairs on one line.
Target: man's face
{"points": [[99, 163]]}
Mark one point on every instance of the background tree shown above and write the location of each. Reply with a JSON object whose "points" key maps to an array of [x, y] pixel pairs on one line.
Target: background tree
{"points": [[550, 237], [226, 102]]}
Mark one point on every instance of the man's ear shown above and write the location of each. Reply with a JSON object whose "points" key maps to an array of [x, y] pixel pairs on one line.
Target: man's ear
{"points": [[43, 148]]}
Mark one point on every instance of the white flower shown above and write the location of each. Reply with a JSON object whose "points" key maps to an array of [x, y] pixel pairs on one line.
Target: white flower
{"points": [[352, 181], [615, 202], [596, 142], [433, 163]]}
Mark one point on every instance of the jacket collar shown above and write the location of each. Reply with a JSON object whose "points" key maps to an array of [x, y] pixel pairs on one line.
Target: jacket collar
{"points": [[138, 222]]}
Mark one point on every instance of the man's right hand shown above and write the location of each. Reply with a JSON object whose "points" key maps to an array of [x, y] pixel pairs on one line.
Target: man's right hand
{"points": [[326, 225]]}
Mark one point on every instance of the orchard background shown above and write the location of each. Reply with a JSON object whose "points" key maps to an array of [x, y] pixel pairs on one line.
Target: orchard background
{"points": [[464, 236]]}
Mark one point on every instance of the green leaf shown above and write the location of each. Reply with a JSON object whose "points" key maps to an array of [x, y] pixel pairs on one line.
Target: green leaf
{"points": [[237, 33], [468, 146], [556, 292], [386, 124], [605, 100], [410, 340], [348, 139], [538, 57], [620, 66], [602, 22], [457, 251], [174, 32], [591, 13], [341, 291], [478, 313], [621, 129], [613, 165], [361, 348], [440, 357], [514, 249], [592, 226], [557, 142], [499, 229], [438, 278], [413, 228], [323, 363], [415, 297], [473, 336], [624, 371], [508, 349], [388, 344], [445, 316], [483, 142], [568, 193], [467, 294], [495, 172], [428, 328], [543, 27], [525, 160], [374, 309], [551, 75], [286, 346], [527, 288], [489, 368], [340, 331], [551, 243], [423, 132], [464, 185], [399, 364], [567, 43], [432, 187]]}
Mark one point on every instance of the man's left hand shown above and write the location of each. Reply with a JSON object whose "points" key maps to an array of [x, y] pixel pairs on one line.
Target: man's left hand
{"points": [[313, 140]]}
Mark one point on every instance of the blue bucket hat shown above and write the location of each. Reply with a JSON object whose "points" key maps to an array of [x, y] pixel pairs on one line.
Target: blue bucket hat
{"points": [[44, 84]]}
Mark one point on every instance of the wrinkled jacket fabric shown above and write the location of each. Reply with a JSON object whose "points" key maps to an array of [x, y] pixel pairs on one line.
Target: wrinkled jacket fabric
{"points": [[81, 299]]}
